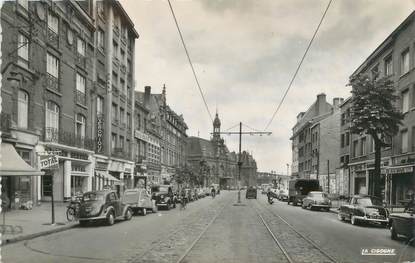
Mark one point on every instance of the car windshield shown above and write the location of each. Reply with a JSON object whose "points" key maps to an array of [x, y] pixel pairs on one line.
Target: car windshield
{"points": [[93, 197], [368, 201], [318, 195]]}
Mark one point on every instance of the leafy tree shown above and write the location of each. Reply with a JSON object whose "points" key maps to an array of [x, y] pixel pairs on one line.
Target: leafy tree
{"points": [[373, 112]]}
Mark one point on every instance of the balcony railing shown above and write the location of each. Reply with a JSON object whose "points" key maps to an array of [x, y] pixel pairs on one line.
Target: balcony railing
{"points": [[52, 82], [80, 97], [68, 138], [53, 38]]}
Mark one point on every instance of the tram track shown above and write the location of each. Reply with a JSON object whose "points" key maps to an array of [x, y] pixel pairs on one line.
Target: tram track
{"points": [[290, 256]]}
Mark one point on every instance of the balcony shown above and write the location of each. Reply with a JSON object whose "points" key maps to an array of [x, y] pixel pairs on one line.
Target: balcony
{"points": [[68, 138], [115, 91], [80, 98], [119, 152], [52, 83]]}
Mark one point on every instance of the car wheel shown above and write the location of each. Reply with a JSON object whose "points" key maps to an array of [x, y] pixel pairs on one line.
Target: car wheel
{"points": [[144, 212], [168, 206], [394, 235], [310, 207], [353, 220], [110, 218], [128, 214], [340, 217]]}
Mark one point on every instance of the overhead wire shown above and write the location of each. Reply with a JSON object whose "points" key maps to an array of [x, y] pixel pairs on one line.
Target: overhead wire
{"points": [[190, 61], [299, 65]]}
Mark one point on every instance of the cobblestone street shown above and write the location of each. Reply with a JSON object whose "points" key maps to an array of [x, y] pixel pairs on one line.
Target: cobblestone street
{"points": [[214, 230]]}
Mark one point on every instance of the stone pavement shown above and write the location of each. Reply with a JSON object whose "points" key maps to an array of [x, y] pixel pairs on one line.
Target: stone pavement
{"points": [[17, 225]]}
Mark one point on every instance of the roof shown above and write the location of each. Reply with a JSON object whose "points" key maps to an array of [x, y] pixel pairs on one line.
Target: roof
{"points": [[126, 17]]}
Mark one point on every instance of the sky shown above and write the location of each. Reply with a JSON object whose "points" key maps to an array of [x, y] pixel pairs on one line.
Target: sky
{"points": [[245, 53]]}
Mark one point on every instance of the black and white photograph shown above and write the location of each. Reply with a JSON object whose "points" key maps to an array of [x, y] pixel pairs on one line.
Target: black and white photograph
{"points": [[207, 131]]}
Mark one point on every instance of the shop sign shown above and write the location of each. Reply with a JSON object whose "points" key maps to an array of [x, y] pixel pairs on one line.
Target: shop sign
{"points": [[100, 133], [400, 170], [49, 162], [140, 135]]}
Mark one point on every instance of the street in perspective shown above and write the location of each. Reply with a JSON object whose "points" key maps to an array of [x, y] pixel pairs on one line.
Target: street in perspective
{"points": [[207, 131]]}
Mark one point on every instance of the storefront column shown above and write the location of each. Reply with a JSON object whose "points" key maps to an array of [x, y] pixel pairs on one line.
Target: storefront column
{"points": [[89, 170], [367, 182], [67, 178]]}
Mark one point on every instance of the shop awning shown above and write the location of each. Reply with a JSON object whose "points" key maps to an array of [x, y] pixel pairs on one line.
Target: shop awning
{"points": [[13, 165], [107, 176]]}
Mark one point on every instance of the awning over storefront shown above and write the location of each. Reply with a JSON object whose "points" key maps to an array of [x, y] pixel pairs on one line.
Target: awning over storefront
{"points": [[107, 176], [13, 165]]}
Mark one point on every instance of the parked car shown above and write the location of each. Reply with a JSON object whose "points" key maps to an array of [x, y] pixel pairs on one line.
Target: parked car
{"points": [[103, 206], [403, 224], [298, 189], [139, 200], [283, 195], [200, 193], [251, 192], [364, 208], [163, 196], [318, 200]]}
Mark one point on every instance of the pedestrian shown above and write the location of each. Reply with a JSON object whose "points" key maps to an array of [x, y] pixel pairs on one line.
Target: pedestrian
{"points": [[213, 192], [269, 194]]}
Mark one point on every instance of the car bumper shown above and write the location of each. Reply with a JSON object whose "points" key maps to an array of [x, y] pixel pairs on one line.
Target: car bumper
{"points": [[321, 206], [92, 218], [371, 220], [162, 204]]}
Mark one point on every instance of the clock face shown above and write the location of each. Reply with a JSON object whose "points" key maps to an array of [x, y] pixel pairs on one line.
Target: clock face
{"points": [[70, 36]]}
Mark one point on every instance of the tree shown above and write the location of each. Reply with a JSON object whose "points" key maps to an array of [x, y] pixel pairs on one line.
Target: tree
{"points": [[373, 112]]}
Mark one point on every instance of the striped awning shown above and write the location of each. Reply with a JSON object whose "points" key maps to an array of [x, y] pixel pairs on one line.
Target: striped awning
{"points": [[13, 165]]}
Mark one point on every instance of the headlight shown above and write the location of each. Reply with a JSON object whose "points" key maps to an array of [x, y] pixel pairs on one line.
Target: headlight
{"points": [[161, 196]]}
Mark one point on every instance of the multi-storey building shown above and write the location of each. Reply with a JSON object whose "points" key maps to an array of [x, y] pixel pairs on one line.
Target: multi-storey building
{"points": [[211, 160], [393, 58], [304, 142], [168, 133], [55, 92]]}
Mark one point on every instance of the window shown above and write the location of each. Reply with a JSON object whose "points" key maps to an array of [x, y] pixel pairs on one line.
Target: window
{"points": [[128, 120], [128, 146], [80, 83], [388, 66], [80, 125], [80, 45], [404, 141], [122, 118], [100, 105], [122, 55], [405, 61], [23, 50], [363, 149], [22, 109], [138, 123], [115, 49], [113, 141], [53, 23], [128, 91], [375, 72], [347, 139], [405, 101], [101, 37], [52, 65], [52, 116], [114, 112], [121, 142], [355, 148], [342, 140]]}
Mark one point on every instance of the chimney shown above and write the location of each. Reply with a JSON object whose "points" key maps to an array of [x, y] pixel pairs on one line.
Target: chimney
{"points": [[337, 102], [321, 104], [147, 92], [164, 94]]}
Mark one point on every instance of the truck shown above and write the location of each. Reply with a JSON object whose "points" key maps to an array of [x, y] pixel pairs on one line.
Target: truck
{"points": [[299, 189]]}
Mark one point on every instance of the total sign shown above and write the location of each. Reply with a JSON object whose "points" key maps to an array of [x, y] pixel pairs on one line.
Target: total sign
{"points": [[49, 162]]}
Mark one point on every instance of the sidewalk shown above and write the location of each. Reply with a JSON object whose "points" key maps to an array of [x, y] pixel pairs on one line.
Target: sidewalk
{"points": [[27, 224]]}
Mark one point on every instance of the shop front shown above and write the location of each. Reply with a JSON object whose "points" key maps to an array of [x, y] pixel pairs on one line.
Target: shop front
{"points": [[401, 184], [18, 177]]}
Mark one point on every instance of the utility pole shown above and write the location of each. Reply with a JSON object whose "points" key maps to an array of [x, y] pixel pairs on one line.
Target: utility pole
{"points": [[240, 133], [328, 176]]}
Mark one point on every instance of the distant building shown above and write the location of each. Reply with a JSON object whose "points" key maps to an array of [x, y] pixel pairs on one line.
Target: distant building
{"points": [[248, 169], [315, 142], [211, 160]]}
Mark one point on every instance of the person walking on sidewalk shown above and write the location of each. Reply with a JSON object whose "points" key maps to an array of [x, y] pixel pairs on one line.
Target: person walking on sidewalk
{"points": [[213, 192]]}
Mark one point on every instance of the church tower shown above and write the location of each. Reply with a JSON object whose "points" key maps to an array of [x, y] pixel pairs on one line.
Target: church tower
{"points": [[216, 128]]}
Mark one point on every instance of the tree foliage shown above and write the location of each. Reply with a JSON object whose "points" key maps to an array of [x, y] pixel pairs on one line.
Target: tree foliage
{"points": [[373, 111]]}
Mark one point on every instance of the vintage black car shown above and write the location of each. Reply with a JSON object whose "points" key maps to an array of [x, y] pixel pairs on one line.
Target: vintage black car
{"points": [[103, 206], [403, 224], [164, 196], [251, 192], [364, 209]]}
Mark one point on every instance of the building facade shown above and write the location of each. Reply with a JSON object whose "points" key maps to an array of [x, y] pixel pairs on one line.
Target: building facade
{"points": [[393, 58], [211, 161], [55, 91]]}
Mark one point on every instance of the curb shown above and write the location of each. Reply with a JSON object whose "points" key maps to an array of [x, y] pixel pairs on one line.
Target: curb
{"points": [[5, 242]]}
